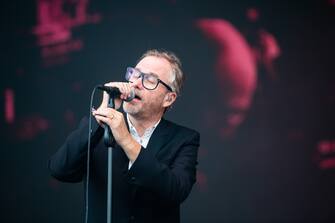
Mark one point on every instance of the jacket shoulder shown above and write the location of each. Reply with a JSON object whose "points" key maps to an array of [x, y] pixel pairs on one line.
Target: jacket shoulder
{"points": [[180, 129]]}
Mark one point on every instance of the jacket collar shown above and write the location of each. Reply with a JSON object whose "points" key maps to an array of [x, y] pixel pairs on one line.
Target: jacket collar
{"points": [[158, 137]]}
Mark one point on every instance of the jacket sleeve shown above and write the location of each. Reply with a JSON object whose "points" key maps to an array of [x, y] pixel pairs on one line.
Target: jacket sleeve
{"points": [[171, 183], [68, 164]]}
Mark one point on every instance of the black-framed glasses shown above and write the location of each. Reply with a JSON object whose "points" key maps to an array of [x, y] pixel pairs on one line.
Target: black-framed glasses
{"points": [[149, 81]]}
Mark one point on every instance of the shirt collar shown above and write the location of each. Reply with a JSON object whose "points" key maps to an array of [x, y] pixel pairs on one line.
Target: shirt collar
{"points": [[148, 131]]}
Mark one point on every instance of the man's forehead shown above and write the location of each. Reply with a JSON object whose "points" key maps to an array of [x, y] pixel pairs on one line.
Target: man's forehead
{"points": [[154, 65]]}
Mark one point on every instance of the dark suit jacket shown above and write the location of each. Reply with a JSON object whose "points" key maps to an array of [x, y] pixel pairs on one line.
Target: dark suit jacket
{"points": [[152, 190]]}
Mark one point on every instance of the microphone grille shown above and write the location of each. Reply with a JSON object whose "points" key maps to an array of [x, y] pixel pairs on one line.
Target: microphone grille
{"points": [[131, 96]]}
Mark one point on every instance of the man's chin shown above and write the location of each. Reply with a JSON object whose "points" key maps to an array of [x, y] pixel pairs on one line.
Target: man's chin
{"points": [[130, 109]]}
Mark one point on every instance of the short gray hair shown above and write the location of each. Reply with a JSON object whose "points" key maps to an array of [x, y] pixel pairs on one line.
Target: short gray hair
{"points": [[178, 76]]}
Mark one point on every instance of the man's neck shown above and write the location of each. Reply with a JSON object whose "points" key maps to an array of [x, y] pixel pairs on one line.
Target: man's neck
{"points": [[142, 124]]}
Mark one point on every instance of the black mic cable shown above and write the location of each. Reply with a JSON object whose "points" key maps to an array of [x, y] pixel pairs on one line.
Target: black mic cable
{"points": [[88, 155]]}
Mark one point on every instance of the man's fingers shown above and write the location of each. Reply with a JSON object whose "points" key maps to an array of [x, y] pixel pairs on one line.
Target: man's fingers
{"points": [[128, 90], [108, 116], [101, 112], [124, 87], [107, 112], [102, 119]]}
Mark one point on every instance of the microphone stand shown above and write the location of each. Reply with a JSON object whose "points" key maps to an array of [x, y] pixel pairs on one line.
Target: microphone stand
{"points": [[109, 142]]}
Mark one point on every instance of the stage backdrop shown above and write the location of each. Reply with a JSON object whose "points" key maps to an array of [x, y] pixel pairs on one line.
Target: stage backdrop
{"points": [[259, 88]]}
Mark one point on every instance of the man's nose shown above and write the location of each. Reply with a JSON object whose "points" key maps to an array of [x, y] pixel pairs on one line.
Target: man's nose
{"points": [[137, 83]]}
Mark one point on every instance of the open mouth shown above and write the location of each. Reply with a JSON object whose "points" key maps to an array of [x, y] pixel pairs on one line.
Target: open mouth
{"points": [[138, 97]]}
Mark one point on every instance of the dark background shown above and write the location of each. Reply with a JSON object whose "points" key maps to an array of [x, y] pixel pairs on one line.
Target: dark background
{"points": [[272, 168]]}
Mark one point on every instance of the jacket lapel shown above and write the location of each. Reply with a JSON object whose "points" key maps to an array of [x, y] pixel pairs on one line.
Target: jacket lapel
{"points": [[159, 137]]}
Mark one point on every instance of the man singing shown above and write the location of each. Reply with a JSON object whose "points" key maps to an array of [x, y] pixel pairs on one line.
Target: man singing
{"points": [[154, 160]]}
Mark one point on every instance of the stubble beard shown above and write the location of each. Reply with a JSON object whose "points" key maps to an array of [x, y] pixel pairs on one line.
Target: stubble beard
{"points": [[131, 109], [139, 112]]}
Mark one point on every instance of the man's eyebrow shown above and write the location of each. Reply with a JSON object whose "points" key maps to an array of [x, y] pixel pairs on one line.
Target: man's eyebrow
{"points": [[154, 74], [148, 73]]}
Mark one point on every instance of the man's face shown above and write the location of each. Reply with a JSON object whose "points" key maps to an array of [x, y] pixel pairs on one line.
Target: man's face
{"points": [[150, 103]]}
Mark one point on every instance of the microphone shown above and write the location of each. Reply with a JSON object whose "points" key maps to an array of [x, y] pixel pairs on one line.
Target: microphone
{"points": [[115, 92]]}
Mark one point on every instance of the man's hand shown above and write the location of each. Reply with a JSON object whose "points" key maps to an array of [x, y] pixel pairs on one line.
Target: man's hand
{"points": [[125, 89], [116, 122]]}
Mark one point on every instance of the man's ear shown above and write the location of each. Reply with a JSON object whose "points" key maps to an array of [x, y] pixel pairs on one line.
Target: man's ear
{"points": [[169, 99]]}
